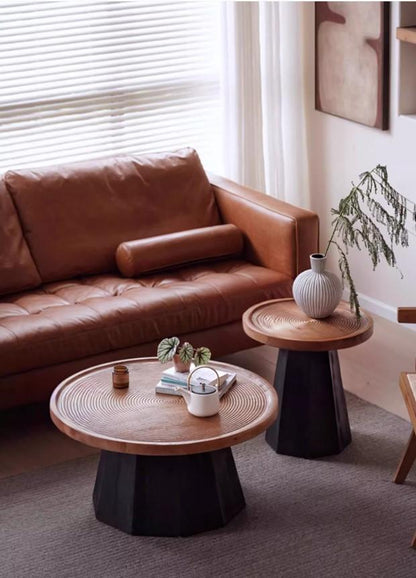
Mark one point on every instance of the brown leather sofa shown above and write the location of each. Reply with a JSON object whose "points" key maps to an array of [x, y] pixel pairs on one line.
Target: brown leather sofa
{"points": [[65, 306]]}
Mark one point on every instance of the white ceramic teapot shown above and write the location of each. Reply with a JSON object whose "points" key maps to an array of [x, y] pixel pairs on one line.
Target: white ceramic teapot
{"points": [[202, 400]]}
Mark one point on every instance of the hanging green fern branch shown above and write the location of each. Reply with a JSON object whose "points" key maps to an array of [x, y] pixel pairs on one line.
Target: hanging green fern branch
{"points": [[374, 216], [346, 277]]}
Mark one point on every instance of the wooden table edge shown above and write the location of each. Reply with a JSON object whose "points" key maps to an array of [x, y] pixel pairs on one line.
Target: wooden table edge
{"points": [[102, 442], [342, 342]]}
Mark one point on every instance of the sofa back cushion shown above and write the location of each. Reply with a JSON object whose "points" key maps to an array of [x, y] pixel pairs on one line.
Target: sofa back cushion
{"points": [[17, 269], [75, 215]]}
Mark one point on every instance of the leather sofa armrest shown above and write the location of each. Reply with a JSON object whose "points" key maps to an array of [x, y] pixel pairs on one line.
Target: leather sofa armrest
{"points": [[278, 235]]}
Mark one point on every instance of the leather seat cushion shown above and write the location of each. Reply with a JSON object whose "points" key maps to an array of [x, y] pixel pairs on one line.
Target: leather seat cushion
{"points": [[77, 318]]}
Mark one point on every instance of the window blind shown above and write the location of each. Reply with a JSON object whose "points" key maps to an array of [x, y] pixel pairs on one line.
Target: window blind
{"points": [[89, 78]]}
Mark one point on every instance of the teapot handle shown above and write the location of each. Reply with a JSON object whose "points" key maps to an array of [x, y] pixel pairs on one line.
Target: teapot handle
{"points": [[200, 367]]}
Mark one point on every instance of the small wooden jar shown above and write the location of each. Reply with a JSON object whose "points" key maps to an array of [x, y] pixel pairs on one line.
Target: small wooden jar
{"points": [[120, 376]]}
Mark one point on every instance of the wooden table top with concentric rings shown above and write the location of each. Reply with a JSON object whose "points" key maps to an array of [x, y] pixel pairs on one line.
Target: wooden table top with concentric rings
{"points": [[280, 323], [136, 420]]}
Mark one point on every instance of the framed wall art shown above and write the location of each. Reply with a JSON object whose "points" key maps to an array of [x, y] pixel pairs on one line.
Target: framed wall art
{"points": [[352, 61]]}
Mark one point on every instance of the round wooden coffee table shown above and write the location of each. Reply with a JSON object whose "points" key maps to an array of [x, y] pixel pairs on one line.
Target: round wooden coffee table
{"points": [[162, 471], [312, 419]]}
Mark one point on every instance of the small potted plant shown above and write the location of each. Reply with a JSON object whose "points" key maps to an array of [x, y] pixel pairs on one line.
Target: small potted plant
{"points": [[182, 354]]}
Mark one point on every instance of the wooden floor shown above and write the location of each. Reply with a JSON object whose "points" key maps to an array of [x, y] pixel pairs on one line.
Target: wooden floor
{"points": [[28, 439]]}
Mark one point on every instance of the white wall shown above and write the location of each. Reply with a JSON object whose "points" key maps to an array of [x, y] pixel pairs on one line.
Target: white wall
{"points": [[339, 150]]}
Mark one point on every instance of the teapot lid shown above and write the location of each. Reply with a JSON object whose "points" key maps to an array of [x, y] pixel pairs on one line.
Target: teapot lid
{"points": [[202, 388]]}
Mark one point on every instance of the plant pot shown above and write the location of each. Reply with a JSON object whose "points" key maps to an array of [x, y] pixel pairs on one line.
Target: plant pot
{"points": [[180, 365], [316, 291]]}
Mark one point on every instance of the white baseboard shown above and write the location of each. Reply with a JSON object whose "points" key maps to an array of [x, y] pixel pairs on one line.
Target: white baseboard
{"points": [[379, 308]]}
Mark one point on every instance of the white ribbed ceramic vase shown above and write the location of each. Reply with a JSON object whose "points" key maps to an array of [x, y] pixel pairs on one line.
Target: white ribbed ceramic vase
{"points": [[316, 291]]}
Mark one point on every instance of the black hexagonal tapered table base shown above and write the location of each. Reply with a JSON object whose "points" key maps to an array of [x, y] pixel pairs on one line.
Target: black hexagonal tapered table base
{"points": [[313, 419], [167, 495]]}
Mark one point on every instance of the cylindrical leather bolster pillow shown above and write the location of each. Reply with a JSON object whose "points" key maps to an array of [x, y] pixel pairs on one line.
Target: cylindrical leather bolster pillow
{"points": [[165, 251]]}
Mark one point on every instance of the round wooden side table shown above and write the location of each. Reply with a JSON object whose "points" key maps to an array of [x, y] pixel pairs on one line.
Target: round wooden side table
{"points": [[162, 471], [312, 420]]}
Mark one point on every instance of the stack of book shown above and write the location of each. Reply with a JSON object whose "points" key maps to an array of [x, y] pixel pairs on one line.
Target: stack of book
{"points": [[172, 379]]}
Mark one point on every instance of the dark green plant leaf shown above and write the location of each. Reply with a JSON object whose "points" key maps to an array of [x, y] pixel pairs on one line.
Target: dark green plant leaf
{"points": [[202, 356], [167, 349], [186, 352]]}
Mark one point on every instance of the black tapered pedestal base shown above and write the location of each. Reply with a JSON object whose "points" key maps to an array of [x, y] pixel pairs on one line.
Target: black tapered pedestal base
{"points": [[167, 495], [313, 419]]}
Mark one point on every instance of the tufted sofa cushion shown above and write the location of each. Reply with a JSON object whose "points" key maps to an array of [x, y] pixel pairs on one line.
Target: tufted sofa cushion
{"points": [[78, 318]]}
